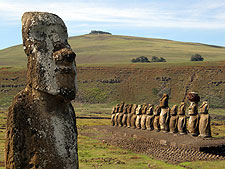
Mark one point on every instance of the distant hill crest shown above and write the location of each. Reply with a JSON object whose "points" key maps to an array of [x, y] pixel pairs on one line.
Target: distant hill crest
{"points": [[99, 32]]}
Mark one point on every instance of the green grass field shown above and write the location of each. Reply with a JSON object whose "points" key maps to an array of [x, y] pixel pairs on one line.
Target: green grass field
{"points": [[108, 49]]}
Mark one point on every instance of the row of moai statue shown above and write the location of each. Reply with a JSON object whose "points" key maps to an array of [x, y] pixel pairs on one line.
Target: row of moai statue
{"points": [[162, 118]]}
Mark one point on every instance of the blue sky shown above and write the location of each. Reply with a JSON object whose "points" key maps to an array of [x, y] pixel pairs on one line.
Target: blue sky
{"points": [[182, 20]]}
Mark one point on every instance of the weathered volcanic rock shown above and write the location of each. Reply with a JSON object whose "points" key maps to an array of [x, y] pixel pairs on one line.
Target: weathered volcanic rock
{"points": [[41, 124]]}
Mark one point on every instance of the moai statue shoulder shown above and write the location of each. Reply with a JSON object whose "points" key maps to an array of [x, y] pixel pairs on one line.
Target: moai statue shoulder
{"points": [[138, 119], [204, 122], [193, 122], [173, 119], [150, 117], [41, 124], [156, 112], [165, 113], [181, 125]]}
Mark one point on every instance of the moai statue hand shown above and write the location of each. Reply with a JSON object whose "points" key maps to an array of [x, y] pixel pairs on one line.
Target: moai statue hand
{"points": [[133, 117], [156, 118], [150, 118], [41, 124], [143, 117], [193, 122], [164, 114], [204, 122], [173, 119], [138, 119], [125, 114], [129, 116], [181, 125]]}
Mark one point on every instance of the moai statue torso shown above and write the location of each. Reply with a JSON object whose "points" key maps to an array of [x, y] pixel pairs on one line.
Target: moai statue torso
{"points": [[133, 117], [129, 115], [138, 119], [164, 114], [193, 122], [156, 118], [150, 118], [173, 119], [181, 125], [41, 124], [204, 122], [113, 117], [125, 114], [143, 117]]}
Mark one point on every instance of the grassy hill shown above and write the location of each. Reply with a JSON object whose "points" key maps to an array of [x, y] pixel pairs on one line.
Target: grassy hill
{"points": [[104, 49]]}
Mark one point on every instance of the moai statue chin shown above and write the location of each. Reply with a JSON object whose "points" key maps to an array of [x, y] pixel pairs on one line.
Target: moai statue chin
{"points": [[182, 124], [133, 117], [193, 122], [143, 117], [41, 125], [165, 113], [204, 122], [173, 119], [156, 113], [150, 118], [138, 119]]}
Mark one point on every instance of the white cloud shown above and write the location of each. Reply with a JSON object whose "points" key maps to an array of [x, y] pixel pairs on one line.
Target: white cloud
{"points": [[200, 15]]}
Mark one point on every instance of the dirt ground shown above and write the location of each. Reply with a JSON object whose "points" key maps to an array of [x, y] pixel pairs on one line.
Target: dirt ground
{"points": [[172, 148]]}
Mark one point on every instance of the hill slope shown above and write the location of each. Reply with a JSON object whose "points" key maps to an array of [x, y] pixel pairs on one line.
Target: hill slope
{"points": [[121, 49]]}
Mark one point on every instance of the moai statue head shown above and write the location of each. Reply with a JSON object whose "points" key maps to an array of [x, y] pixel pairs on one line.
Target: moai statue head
{"points": [[204, 108], [182, 109], [51, 61], [150, 109], [133, 110], [164, 101], [194, 99], [157, 110], [138, 109], [130, 108], [174, 110]]}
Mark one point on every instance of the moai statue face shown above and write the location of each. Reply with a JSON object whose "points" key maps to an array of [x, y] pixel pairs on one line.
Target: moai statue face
{"points": [[173, 111], [204, 108], [51, 61], [164, 101], [157, 110], [150, 109], [182, 108]]}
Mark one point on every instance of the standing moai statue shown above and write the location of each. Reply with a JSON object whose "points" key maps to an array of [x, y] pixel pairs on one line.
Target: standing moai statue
{"points": [[41, 124], [193, 122], [204, 122], [138, 119], [165, 113], [150, 118], [181, 125], [114, 111], [133, 117], [120, 110], [120, 116], [129, 115], [156, 118], [173, 119], [143, 117], [125, 114]]}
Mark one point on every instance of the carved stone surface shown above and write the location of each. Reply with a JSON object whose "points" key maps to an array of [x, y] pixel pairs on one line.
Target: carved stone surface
{"points": [[164, 119], [121, 107], [163, 102], [133, 117], [182, 124], [150, 118], [129, 115], [156, 118], [204, 122], [113, 116], [173, 119], [41, 125], [125, 114], [138, 119]]}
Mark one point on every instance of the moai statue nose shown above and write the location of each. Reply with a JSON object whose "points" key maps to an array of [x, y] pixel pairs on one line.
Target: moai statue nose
{"points": [[64, 55]]}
